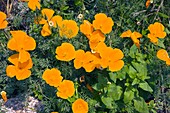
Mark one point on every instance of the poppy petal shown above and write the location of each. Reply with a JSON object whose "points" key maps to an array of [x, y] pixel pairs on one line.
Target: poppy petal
{"points": [[116, 66], [11, 71], [25, 74], [30, 44], [162, 55], [48, 13], [14, 59], [126, 34], [56, 20], [24, 56]]}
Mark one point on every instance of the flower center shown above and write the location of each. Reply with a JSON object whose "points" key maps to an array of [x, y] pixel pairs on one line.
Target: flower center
{"points": [[51, 23]]}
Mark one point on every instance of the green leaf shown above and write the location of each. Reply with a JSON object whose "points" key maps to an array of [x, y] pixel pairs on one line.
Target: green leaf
{"points": [[135, 81], [132, 72], [145, 86], [107, 101], [163, 15], [161, 43], [140, 105], [102, 82], [114, 91], [133, 50], [113, 76], [128, 96]]}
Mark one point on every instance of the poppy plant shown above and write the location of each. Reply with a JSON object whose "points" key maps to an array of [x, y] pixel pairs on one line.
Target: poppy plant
{"points": [[80, 106], [103, 23], [3, 95], [156, 31], [33, 4], [68, 28], [18, 69], [134, 36], [65, 52], [52, 77], [48, 21], [163, 55], [3, 22], [65, 89], [21, 43]]}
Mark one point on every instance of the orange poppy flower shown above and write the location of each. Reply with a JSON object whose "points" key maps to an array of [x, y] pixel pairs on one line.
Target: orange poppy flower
{"points": [[18, 69], [3, 95], [80, 106], [68, 28], [134, 36], [163, 55], [3, 22], [86, 28], [52, 77], [89, 62], [79, 57], [111, 58], [52, 21], [148, 2], [156, 31], [103, 23], [33, 4], [21, 43], [65, 89], [65, 52]]}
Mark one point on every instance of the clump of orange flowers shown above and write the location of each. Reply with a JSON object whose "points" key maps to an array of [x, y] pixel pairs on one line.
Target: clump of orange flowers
{"points": [[134, 36], [80, 106], [163, 55], [156, 31], [52, 77], [21, 43], [33, 4], [65, 87], [52, 21], [100, 56], [65, 52], [22, 62], [3, 22]]}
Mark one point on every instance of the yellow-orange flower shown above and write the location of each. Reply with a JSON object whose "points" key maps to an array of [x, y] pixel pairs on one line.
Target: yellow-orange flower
{"points": [[21, 43], [80, 106], [52, 21], [3, 22], [52, 77], [147, 4], [111, 58], [163, 55], [89, 62], [66, 89], [33, 4], [65, 52], [18, 69], [86, 28], [3, 95], [103, 23], [156, 31], [68, 28], [134, 36]]}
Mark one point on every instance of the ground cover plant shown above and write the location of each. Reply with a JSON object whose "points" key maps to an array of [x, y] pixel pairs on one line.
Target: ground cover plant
{"points": [[82, 56]]}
